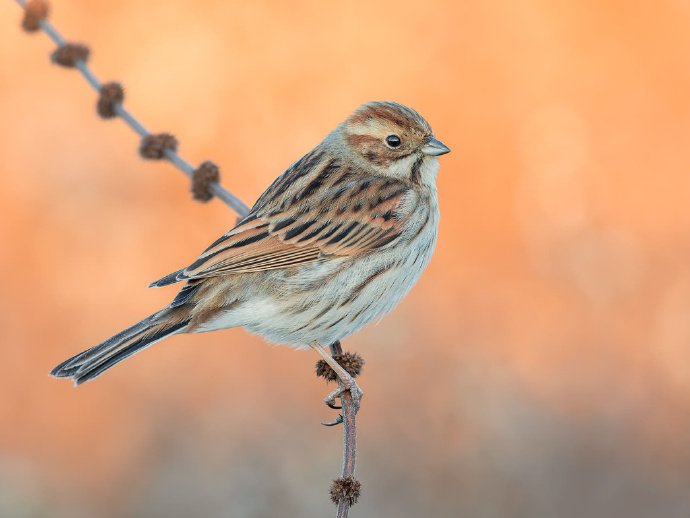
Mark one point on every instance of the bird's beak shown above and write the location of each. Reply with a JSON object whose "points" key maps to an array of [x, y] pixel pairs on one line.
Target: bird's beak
{"points": [[435, 147]]}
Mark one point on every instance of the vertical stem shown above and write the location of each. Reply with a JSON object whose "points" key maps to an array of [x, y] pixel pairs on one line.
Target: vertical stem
{"points": [[349, 438]]}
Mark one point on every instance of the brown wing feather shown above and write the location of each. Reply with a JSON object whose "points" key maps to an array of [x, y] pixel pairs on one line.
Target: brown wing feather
{"points": [[328, 213]]}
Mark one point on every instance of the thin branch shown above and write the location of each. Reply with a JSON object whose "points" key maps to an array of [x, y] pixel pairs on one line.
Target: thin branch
{"points": [[345, 490], [218, 190]]}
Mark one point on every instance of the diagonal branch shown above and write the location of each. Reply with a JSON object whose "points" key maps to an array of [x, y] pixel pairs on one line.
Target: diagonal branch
{"points": [[35, 18]]}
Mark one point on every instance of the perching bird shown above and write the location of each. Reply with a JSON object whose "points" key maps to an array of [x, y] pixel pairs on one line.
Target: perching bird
{"points": [[334, 243]]}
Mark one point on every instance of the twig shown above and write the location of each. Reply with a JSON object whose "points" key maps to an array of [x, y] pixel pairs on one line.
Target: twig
{"points": [[345, 490], [35, 18]]}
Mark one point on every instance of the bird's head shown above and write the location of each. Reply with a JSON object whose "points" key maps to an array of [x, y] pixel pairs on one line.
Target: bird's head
{"points": [[394, 140]]}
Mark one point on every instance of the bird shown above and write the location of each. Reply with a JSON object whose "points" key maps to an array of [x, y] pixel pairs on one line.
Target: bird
{"points": [[333, 244]]}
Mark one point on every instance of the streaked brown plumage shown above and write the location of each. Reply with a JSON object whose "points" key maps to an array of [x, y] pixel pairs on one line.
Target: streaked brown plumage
{"points": [[335, 242]]}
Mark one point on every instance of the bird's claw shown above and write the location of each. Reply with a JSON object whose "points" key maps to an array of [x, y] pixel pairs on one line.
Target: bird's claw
{"points": [[331, 404], [337, 421], [346, 385]]}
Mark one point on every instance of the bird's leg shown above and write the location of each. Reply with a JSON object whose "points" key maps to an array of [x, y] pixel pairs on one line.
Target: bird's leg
{"points": [[345, 381]]}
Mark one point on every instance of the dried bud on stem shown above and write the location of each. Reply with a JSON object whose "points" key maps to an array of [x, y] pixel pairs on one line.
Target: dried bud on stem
{"points": [[202, 178], [35, 11], [68, 54], [351, 362], [153, 146], [345, 490], [110, 95]]}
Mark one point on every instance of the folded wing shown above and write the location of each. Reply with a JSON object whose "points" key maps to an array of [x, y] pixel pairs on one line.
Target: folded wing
{"points": [[343, 218]]}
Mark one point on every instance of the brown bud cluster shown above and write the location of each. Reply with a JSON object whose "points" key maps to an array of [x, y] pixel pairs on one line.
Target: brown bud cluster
{"points": [[153, 146], [110, 95], [351, 362], [68, 54], [345, 490], [34, 12], [204, 176]]}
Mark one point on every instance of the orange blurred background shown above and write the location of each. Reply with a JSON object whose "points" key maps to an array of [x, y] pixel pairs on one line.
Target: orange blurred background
{"points": [[540, 368]]}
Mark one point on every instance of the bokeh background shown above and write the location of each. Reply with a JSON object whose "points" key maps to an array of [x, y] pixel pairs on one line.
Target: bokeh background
{"points": [[541, 367]]}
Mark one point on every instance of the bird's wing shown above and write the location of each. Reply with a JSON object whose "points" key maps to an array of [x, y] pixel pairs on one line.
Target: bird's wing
{"points": [[343, 218]]}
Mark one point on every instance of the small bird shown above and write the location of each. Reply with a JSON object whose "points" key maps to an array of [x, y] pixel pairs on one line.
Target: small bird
{"points": [[334, 243]]}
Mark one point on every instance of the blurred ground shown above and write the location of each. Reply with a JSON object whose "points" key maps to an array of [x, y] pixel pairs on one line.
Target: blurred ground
{"points": [[544, 352]]}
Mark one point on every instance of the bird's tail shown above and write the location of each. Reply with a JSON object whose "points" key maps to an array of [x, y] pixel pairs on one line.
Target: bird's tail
{"points": [[88, 364]]}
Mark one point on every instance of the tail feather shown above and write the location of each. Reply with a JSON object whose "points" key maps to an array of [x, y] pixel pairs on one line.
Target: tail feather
{"points": [[88, 364], [171, 278]]}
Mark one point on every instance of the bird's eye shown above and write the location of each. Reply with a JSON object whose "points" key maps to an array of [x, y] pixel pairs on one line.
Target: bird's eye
{"points": [[393, 141]]}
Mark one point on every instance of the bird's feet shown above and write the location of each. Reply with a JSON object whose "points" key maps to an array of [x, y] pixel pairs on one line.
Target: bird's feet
{"points": [[345, 384], [340, 367]]}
